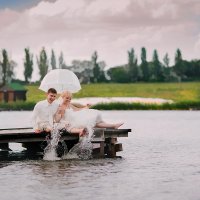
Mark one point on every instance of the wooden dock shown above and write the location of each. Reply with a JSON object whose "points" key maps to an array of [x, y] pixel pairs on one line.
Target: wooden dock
{"points": [[105, 142]]}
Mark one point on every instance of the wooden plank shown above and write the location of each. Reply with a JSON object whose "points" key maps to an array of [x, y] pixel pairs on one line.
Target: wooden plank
{"points": [[32, 139], [116, 133], [19, 128], [27, 135], [17, 132], [107, 132]]}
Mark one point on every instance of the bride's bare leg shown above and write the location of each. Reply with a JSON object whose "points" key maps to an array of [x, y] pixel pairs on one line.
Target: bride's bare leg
{"points": [[106, 125]]}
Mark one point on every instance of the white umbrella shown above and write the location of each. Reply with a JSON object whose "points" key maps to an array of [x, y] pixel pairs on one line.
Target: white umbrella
{"points": [[61, 80]]}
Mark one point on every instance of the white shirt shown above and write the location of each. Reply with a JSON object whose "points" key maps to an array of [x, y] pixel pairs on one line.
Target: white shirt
{"points": [[43, 113]]}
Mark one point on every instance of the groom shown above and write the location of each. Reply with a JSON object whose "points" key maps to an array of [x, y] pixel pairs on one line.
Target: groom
{"points": [[44, 111]]}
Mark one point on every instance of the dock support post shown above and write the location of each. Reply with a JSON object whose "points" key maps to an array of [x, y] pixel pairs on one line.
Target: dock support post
{"points": [[101, 153], [99, 138], [112, 147]]}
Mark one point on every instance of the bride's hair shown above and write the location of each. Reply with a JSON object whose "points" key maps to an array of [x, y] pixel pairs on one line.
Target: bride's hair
{"points": [[66, 94]]}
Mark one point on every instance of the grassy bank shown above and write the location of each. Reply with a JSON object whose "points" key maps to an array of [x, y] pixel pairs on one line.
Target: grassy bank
{"points": [[175, 91], [186, 96]]}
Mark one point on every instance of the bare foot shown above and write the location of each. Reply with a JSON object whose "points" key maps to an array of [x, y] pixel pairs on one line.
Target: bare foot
{"points": [[47, 130], [37, 131], [118, 125]]}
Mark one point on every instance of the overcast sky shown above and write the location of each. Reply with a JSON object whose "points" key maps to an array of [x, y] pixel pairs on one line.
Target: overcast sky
{"points": [[79, 27]]}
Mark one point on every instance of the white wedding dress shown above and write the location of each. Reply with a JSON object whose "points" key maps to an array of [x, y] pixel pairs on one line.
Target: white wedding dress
{"points": [[85, 118]]}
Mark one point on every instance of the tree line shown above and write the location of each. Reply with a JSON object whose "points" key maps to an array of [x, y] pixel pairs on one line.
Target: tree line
{"points": [[155, 70], [93, 70]]}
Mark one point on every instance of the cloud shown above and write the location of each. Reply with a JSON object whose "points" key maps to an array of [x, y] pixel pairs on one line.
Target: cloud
{"points": [[111, 27], [7, 17]]}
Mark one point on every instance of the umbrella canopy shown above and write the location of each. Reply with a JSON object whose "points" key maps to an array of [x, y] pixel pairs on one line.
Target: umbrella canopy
{"points": [[61, 80]]}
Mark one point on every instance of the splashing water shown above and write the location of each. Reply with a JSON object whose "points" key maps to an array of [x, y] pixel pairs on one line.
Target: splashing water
{"points": [[83, 149], [50, 152]]}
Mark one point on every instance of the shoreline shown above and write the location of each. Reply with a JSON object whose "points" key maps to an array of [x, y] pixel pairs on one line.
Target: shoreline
{"points": [[114, 103]]}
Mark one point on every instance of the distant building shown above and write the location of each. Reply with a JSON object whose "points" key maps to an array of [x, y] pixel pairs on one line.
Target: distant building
{"points": [[12, 92]]}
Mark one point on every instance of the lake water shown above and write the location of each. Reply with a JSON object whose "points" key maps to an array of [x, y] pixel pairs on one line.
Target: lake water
{"points": [[160, 161]]}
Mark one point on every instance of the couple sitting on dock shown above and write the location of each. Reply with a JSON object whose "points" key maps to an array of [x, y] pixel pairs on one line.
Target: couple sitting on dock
{"points": [[75, 119]]}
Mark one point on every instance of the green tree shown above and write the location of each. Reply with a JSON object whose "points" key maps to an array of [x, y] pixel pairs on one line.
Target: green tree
{"points": [[178, 56], [118, 74], [132, 66], [193, 69], [42, 62], [196, 64], [61, 60], [5, 65], [96, 69], [179, 66], [166, 60], [144, 65], [102, 77], [157, 71], [10, 72], [28, 65], [166, 70], [53, 59]]}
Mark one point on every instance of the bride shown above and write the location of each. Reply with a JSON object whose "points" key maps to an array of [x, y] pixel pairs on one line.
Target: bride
{"points": [[79, 120]]}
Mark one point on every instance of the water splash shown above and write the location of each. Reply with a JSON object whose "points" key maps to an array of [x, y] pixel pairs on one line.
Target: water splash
{"points": [[83, 149], [50, 152]]}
